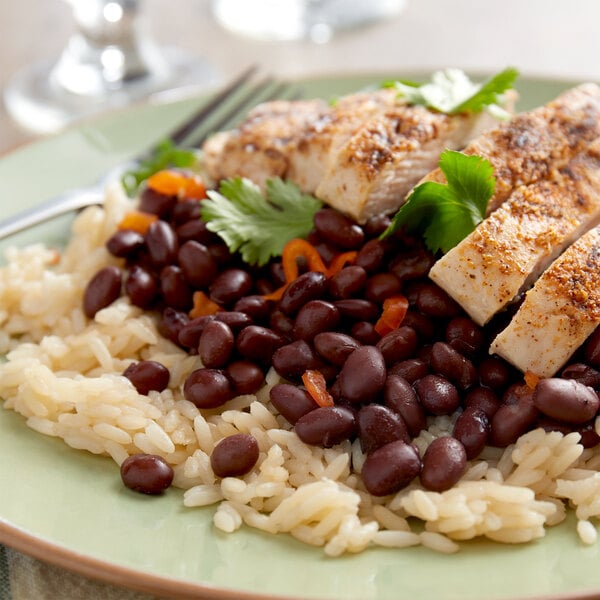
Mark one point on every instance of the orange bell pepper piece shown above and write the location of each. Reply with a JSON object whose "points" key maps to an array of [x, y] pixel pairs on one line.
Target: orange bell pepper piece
{"points": [[316, 386], [177, 183], [394, 311]]}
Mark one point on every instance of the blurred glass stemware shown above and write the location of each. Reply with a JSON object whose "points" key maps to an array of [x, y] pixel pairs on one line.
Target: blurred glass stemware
{"points": [[108, 62]]}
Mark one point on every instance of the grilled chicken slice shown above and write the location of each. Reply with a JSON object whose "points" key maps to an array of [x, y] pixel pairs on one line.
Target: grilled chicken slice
{"points": [[532, 144], [260, 147], [558, 313], [323, 138], [372, 173], [507, 251]]}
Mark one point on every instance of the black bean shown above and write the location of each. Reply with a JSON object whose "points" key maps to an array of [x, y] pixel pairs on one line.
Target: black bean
{"points": [[484, 399], [186, 210], [258, 343], [338, 229], [234, 455], [514, 417], [363, 375], [220, 252], [412, 265], [156, 203], [171, 322], [379, 425], [195, 230], [435, 302], [326, 426], [216, 344], [231, 285], [358, 309], [582, 373], [147, 375], [437, 395], [141, 287], [256, 307], [465, 336], [146, 473], [347, 282], [162, 244], [398, 344], [281, 323], [371, 256], [102, 290], [245, 376], [125, 243], [381, 286], [400, 397], [365, 333], [189, 334], [376, 225], [306, 287], [197, 263], [291, 401], [390, 468], [315, 317], [234, 319], [207, 388], [446, 361], [591, 349], [444, 463], [292, 360], [422, 324], [494, 373], [472, 429], [175, 288], [335, 347], [567, 400], [410, 369]]}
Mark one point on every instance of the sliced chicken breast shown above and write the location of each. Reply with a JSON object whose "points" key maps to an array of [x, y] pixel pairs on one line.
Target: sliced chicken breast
{"points": [[260, 147], [320, 140], [558, 313], [374, 170], [507, 251], [533, 144]]}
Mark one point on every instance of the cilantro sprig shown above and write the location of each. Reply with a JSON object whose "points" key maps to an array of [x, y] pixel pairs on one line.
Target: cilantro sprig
{"points": [[452, 92], [259, 226], [445, 213], [166, 155]]}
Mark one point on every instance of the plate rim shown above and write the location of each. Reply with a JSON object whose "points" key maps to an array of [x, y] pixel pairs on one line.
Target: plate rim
{"points": [[113, 573]]}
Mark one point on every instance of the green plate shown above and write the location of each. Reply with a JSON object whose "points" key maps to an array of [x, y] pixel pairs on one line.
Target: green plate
{"points": [[69, 507]]}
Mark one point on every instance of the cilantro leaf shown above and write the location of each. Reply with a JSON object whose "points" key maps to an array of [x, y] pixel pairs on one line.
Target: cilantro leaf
{"points": [[447, 213], [166, 155], [259, 227], [452, 92]]}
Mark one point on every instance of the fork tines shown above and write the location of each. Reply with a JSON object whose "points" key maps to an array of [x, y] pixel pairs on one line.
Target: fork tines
{"points": [[229, 106]]}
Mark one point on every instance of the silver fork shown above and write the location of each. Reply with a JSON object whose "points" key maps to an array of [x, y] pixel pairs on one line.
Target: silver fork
{"points": [[219, 112]]}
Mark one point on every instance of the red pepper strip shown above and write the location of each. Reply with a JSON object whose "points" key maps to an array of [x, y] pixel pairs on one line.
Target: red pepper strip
{"points": [[175, 183], [394, 311], [276, 294], [299, 248], [203, 306], [315, 384], [340, 261]]}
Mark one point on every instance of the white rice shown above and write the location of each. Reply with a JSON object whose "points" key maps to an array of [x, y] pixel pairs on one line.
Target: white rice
{"points": [[64, 375]]}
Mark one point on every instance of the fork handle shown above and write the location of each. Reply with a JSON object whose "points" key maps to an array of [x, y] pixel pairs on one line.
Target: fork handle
{"points": [[49, 209]]}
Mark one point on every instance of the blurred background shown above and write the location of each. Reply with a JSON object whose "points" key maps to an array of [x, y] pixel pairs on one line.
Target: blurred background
{"points": [[541, 37]]}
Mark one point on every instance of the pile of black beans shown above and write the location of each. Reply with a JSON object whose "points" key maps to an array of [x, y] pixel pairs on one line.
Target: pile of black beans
{"points": [[384, 387]]}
